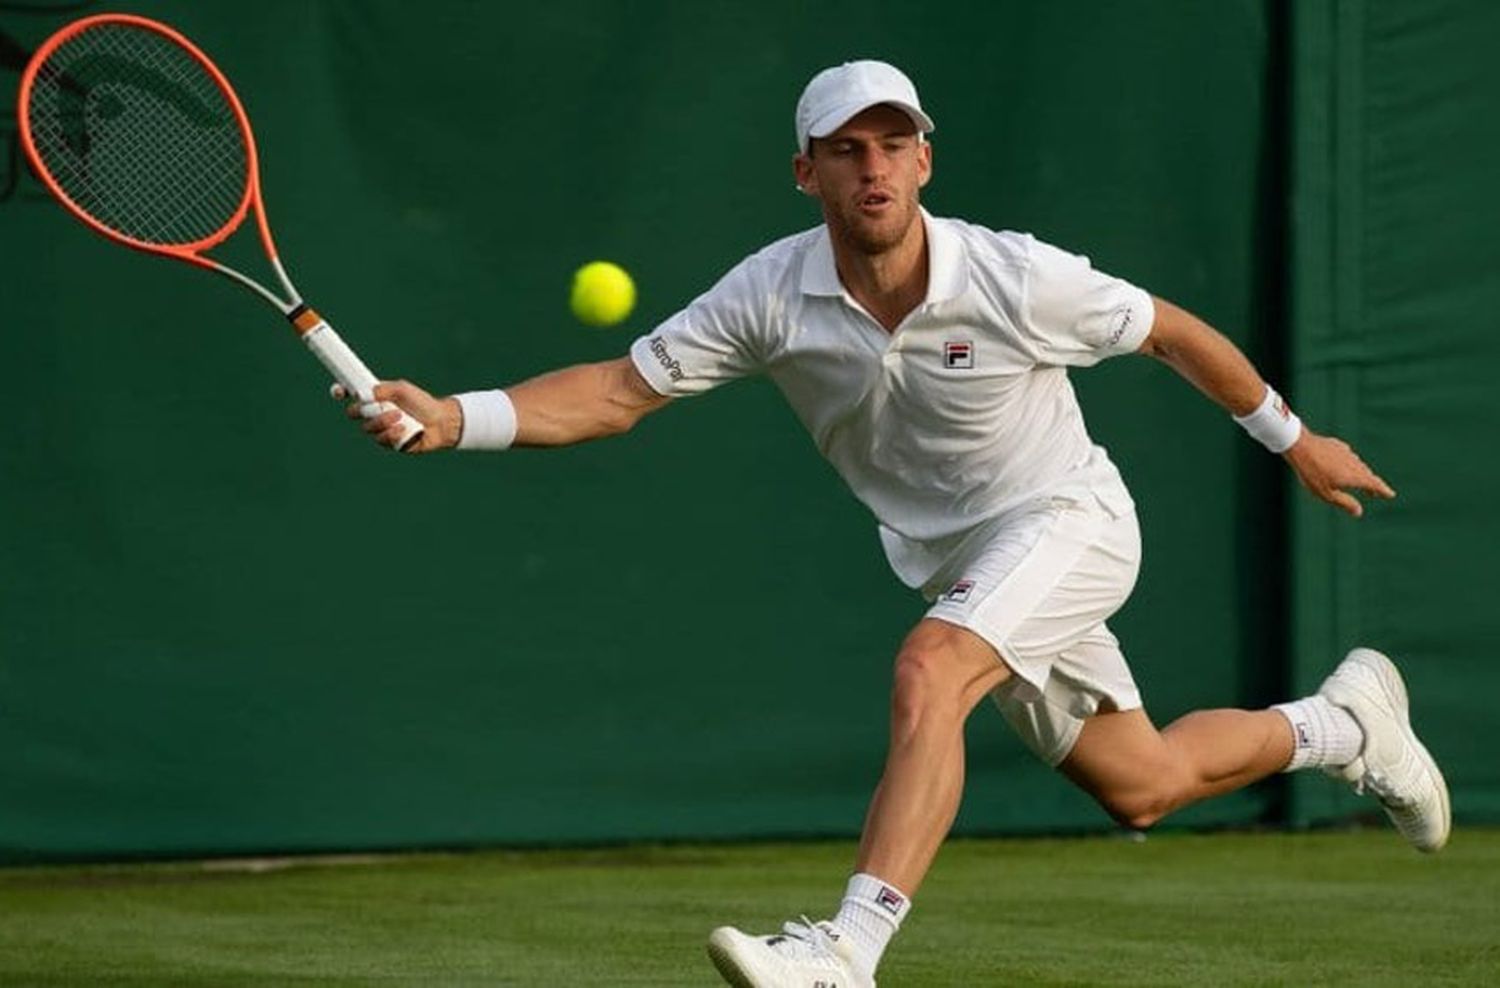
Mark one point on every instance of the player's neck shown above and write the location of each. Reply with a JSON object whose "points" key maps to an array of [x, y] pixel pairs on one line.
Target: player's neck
{"points": [[889, 284]]}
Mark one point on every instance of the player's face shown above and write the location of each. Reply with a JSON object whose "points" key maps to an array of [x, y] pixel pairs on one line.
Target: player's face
{"points": [[867, 175]]}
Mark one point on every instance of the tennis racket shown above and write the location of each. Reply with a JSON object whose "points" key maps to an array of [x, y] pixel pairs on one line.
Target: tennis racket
{"points": [[141, 137]]}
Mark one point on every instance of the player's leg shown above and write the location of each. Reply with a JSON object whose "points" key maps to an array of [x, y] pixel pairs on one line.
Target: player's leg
{"points": [[941, 673], [1356, 727], [1082, 715], [948, 663], [1139, 774]]}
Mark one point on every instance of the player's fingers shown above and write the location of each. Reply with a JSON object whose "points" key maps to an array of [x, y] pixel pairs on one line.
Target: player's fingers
{"points": [[376, 425], [1345, 501], [364, 409], [1362, 478], [1368, 480], [392, 437], [1373, 486], [392, 391]]}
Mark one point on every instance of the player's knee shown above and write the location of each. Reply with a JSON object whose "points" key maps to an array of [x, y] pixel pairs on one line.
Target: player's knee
{"points": [[932, 680], [1140, 815], [1143, 808], [922, 686]]}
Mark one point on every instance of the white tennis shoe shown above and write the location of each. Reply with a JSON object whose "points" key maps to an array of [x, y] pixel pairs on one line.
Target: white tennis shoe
{"points": [[1393, 766], [802, 955]]}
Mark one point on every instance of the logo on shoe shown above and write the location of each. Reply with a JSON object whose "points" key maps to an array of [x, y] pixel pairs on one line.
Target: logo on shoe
{"points": [[959, 592]]}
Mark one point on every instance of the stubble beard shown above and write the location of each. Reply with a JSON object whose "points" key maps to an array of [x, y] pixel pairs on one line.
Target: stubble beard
{"points": [[874, 239]]}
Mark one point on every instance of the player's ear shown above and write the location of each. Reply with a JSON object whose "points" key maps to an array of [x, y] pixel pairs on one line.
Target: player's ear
{"points": [[803, 174], [924, 163]]}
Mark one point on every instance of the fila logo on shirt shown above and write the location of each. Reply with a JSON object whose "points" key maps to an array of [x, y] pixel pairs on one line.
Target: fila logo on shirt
{"points": [[958, 355]]}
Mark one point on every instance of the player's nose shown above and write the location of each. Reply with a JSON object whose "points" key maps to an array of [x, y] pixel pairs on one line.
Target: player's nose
{"points": [[873, 163]]}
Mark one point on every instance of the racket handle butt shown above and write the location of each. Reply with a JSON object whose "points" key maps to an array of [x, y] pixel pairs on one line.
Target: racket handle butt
{"points": [[411, 432], [411, 429]]}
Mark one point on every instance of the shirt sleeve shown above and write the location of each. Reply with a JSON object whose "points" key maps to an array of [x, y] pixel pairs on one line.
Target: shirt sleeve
{"points": [[713, 340], [1076, 316]]}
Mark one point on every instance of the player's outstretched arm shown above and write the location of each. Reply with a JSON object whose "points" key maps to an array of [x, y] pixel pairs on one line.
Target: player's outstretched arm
{"points": [[586, 401], [1326, 465]]}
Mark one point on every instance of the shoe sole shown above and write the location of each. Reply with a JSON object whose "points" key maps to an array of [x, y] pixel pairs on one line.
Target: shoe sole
{"points": [[721, 951], [1388, 677]]}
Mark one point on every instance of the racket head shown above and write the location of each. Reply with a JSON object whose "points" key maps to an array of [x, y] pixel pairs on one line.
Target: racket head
{"points": [[139, 135]]}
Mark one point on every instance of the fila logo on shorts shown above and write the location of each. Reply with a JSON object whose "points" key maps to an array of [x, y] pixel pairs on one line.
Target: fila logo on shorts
{"points": [[958, 355], [958, 593]]}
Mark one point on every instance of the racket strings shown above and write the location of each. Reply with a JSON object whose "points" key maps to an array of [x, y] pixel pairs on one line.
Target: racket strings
{"points": [[139, 135]]}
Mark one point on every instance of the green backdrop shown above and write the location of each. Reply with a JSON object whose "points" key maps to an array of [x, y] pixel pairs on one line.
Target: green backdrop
{"points": [[1397, 281], [227, 624]]}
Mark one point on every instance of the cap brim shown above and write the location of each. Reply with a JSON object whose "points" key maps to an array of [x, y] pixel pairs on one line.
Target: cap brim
{"points": [[837, 117]]}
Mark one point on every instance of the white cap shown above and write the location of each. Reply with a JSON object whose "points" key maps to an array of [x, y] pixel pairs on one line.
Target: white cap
{"points": [[836, 95]]}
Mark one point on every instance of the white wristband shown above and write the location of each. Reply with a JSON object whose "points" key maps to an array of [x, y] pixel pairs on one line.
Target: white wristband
{"points": [[1272, 424], [489, 420]]}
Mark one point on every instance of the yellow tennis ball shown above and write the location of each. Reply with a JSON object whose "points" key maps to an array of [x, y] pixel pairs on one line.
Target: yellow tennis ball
{"points": [[602, 295]]}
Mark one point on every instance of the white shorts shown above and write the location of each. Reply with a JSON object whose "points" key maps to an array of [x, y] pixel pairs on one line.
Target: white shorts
{"points": [[1038, 587]]}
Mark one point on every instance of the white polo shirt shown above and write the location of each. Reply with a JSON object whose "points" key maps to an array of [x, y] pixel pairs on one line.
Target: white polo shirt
{"points": [[961, 415]]}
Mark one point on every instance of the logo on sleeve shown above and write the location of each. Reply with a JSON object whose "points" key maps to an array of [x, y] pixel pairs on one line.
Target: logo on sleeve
{"points": [[672, 365], [959, 592], [958, 355], [1123, 318]]}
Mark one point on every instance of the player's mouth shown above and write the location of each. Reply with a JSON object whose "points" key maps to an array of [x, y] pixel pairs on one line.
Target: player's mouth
{"points": [[875, 203]]}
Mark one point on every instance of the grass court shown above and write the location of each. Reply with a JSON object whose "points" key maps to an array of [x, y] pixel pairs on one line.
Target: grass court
{"points": [[1329, 908]]}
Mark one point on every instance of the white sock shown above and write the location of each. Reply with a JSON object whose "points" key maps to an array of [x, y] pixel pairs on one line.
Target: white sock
{"points": [[870, 915], [1323, 735]]}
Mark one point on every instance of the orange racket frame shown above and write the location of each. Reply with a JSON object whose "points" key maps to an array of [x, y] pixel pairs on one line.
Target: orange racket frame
{"points": [[320, 338]]}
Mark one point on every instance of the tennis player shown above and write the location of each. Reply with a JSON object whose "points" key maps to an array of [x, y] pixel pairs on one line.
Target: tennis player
{"points": [[929, 360]]}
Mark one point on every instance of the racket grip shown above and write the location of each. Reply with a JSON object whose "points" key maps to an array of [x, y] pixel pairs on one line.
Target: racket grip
{"points": [[346, 367]]}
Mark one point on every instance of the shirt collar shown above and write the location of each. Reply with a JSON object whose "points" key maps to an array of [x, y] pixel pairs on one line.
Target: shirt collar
{"points": [[947, 274]]}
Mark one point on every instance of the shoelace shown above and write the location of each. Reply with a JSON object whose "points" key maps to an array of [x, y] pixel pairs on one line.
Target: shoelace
{"points": [[813, 938], [1382, 787]]}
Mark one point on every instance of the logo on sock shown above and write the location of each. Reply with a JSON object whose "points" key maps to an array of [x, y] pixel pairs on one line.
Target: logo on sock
{"points": [[890, 900], [1304, 740]]}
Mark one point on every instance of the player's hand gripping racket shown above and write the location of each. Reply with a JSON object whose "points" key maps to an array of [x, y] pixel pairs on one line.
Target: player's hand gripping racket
{"points": [[140, 136]]}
